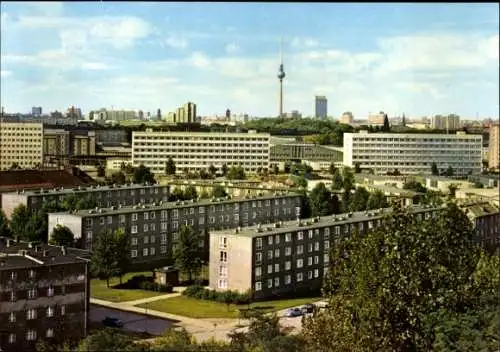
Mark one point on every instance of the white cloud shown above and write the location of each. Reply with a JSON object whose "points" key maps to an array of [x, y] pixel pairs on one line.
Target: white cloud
{"points": [[5, 73], [232, 48], [119, 32], [94, 66], [176, 42], [199, 60], [303, 43]]}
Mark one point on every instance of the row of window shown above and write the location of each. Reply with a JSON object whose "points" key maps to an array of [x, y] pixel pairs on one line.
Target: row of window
{"points": [[31, 314], [275, 282], [312, 260]]}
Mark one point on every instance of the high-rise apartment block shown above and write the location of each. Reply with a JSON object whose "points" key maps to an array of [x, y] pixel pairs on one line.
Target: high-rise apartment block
{"points": [[184, 114], [36, 111], [195, 151], [493, 148], [104, 196], [450, 122], [320, 107], [21, 143], [45, 292], [413, 153], [113, 115], [154, 228]]}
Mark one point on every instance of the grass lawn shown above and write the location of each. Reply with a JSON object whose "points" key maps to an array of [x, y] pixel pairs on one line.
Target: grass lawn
{"points": [[195, 308], [99, 290]]}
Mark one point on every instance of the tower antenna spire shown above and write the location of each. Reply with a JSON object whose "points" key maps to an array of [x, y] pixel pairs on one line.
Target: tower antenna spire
{"points": [[281, 75], [281, 50]]}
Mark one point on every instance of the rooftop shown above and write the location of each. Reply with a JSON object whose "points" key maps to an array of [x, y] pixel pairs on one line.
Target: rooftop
{"points": [[308, 224], [480, 209], [172, 205], [394, 190], [28, 254], [43, 178]]}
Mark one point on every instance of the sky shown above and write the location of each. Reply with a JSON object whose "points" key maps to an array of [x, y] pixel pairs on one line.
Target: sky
{"points": [[417, 59]]}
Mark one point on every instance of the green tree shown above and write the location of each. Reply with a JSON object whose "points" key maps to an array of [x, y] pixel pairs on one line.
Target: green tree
{"points": [[62, 236], [69, 202], [4, 225], [225, 170], [118, 178], [101, 170], [449, 171], [204, 194], [187, 253], [219, 192], [204, 175], [107, 340], [36, 228], [415, 186], [321, 200], [387, 126], [300, 181], [190, 192], [122, 250], [357, 168], [236, 173], [348, 180], [359, 201], [110, 253], [212, 170], [337, 180], [434, 169], [86, 203], [177, 194], [143, 174], [452, 190], [332, 169], [377, 200], [19, 219], [170, 167], [384, 285]]}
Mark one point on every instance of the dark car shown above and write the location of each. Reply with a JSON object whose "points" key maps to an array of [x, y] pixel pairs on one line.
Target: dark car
{"points": [[293, 312], [112, 322], [308, 308]]}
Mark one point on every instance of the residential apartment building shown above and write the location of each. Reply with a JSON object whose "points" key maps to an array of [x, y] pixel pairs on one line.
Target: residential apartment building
{"points": [[347, 118], [153, 228], [112, 115], [320, 107], [294, 256], [493, 148], [195, 151], [376, 119], [44, 294], [485, 218], [56, 143], [295, 152], [21, 143], [448, 123], [105, 196], [413, 153]]}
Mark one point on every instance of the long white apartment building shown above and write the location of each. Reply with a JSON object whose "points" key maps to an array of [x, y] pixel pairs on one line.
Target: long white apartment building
{"points": [[194, 151], [21, 143], [413, 153]]}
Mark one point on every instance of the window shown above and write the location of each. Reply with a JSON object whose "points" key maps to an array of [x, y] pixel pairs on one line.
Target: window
{"points": [[102, 220], [12, 317], [258, 286], [163, 215], [310, 247], [145, 252], [327, 233], [300, 277], [288, 265], [258, 243], [310, 234], [309, 274], [146, 216], [133, 229], [316, 259], [152, 251], [13, 275], [276, 282], [300, 235], [163, 249], [309, 261], [327, 244], [146, 239], [270, 254], [146, 227], [326, 258], [288, 251], [300, 249], [201, 221], [223, 242], [122, 219], [201, 210], [32, 274], [133, 241], [223, 283], [133, 253], [269, 283], [276, 268], [258, 271], [50, 291], [134, 217], [175, 214], [223, 256], [32, 293], [50, 312], [175, 225], [277, 253], [50, 333], [277, 239], [163, 239], [300, 263], [12, 338], [258, 257], [288, 279], [164, 226], [31, 335], [152, 215], [152, 239], [110, 220], [152, 227], [270, 240], [316, 273], [270, 269], [31, 314], [316, 246]]}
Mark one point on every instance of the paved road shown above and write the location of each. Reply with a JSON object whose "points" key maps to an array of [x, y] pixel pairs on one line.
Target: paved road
{"points": [[131, 321]]}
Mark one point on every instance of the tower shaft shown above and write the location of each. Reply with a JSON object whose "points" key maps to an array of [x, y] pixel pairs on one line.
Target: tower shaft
{"points": [[281, 98]]}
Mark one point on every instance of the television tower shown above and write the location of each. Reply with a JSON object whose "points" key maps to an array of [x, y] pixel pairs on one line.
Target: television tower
{"points": [[281, 75]]}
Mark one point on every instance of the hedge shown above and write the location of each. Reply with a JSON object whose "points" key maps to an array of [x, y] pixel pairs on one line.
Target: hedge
{"points": [[228, 297], [145, 283]]}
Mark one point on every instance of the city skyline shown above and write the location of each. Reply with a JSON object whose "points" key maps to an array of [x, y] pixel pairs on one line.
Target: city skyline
{"points": [[419, 59]]}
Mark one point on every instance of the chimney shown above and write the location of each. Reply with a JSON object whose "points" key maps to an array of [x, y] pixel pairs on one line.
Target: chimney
{"points": [[63, 250], [44, 253], [18, 239], [7, 243]]}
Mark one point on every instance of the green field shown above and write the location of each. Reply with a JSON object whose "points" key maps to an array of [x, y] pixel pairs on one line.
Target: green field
{"points": [[195, 308], [99, 290]]}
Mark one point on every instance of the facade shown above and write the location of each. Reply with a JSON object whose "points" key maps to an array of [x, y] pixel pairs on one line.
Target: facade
{"points": [[443, 184], [115, 164], [320, 107], [485, 218], [493, 148], [347, 118], [36, 111], [413, 153], [56, 142], [376, 119], [112, 115], [44, 295], [153, 228], [105, 196], [286, 257], [304, 151], [183, 114], [450, 122], [21, 143], [195, 151]]}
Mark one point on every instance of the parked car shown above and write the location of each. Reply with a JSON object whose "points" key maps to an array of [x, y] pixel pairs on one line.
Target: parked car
{"points": [[112, 322], [308, 308], [293, 312]]}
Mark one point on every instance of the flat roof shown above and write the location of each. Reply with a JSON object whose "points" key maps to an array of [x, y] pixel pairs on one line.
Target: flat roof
{"points": [[309, 224], [419, 135], [170, 205], [394, 190], [81, 189], [212, 134]]}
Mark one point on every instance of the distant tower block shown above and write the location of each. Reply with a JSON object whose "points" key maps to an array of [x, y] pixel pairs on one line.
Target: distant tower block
{"points": [[281, 76], [228, 114]]}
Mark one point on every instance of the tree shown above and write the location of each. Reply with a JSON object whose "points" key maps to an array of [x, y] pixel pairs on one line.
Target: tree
{"points": [[36, 228], [219, 192], [359, 199], [212, 170], [321, 200], [236, 173], [332, 169], [415, 186], [204, 175], [204, 194], [170, 166], [300, 181], [348, 178], [118, 178], [190, 192], [187, 253], [337, 180], [452, 190], [62, 236], [110, 254], [4, 225], [143, 174], [176, 194], [19, 219], [101, 170], [434, 169], [107, 339], [449, 171], [86, 203], [387, 126], [357, 168], [69, 202], [224, 169], [385, 285], [377, 200]]}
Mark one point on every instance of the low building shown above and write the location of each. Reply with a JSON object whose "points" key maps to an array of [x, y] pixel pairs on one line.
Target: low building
{"points": [[154, 228], [479, 194], [443, 184], [115, 164], [167, 275], [45, 292], [485, 218], [322, 165], [381, 180], [405, 197], [112, 195]]}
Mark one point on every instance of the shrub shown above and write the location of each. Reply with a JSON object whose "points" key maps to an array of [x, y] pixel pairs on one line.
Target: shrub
{"points": [[199, 292]]}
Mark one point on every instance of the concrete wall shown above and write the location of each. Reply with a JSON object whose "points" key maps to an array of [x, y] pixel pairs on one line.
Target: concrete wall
{"points": [[12, 200]]}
